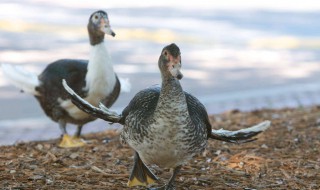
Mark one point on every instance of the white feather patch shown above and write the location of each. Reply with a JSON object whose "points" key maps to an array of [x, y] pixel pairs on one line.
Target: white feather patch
{"points": [[21, 78], [125, 84], [73, 110], [256, 128], [100, 78]]}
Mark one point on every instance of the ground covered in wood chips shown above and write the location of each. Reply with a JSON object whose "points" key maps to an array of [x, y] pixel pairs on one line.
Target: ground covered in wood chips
{"points": [[286, 156]]}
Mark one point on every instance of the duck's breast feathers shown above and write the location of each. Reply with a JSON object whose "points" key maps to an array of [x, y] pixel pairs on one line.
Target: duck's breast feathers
{"points": [[197, 112], [74, 71], [113, 96], [143, 104]]}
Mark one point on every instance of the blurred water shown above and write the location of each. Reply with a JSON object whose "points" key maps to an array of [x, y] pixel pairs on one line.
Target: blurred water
{"points": [[235, 55]]}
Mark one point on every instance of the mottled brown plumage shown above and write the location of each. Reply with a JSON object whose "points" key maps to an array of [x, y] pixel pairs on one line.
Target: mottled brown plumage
{"points": [[165, 125]]}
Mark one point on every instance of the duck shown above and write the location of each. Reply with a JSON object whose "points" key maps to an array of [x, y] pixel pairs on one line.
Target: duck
{"points": [[165, 125], [94, 80]]}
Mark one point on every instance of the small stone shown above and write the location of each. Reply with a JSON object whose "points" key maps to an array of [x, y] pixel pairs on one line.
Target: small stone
{"points": [[275, 116], [49, 181], [13, 171], [33, 167], [289, 128], [36, 177], [106, 140], [74, 155], [95, 149], [279, 181], [223, 158], [39, 146], [264, 146]]}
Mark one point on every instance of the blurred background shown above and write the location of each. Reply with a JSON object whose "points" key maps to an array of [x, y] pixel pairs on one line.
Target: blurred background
{"points": [[242, 55]]}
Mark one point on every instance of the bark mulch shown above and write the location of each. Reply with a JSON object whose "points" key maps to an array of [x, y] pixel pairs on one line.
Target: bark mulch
{"points": [[286, 156]]}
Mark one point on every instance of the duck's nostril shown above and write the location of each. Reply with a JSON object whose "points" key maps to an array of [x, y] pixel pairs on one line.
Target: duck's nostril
{"points": [[179, 76]]}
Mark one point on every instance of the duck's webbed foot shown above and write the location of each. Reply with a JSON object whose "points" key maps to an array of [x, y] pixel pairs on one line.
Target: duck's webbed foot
{"points": [[70, 142], [140, 175]]}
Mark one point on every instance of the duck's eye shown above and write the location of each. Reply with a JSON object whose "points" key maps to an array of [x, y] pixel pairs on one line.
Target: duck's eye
{"points": [[96, 17], [165, 53]]}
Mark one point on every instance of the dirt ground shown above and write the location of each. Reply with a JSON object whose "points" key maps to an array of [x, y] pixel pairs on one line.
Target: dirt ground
{"points": [[286, 156]]}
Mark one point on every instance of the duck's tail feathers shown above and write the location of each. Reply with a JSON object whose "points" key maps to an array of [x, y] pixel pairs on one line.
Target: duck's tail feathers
{"points": [[240, 136], [21, 78], [102, 112], [125, 84]]}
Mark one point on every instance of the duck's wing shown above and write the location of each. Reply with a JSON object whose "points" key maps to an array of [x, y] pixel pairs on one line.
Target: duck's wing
{"points": [[198, 113], [102, 112], [143, 104], [72, 70], [199, 116], [242, 135]]}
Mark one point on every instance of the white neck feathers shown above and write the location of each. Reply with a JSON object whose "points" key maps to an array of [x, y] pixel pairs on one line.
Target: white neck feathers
{"points": [[100, 78]]}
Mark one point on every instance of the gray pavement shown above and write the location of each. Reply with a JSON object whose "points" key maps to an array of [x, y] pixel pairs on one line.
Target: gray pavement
{"points": [[233, 57]]}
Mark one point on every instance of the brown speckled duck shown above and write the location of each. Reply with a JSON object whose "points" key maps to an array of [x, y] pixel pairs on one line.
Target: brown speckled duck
{"points": [[93, 79], [165, 125]]}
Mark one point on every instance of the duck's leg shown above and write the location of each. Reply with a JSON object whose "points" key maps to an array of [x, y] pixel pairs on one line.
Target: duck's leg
{"points": [[170, 185], [78, 132], [68, 141], [76, 138], [140, 174], [173, 177]]}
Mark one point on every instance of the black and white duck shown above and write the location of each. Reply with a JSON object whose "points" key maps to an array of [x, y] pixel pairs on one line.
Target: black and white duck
{"points": [[93, 79], [165, 125]]}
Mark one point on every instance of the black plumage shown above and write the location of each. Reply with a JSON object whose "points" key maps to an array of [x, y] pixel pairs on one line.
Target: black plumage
{"points": [[51, 89]]}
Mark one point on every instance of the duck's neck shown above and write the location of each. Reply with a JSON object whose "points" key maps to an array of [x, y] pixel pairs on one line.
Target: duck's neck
{"points": [[95, 36], [100, 76], [172, 95]]}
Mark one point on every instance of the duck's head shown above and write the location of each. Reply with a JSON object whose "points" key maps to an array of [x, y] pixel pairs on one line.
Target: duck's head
{"points": [[98, 26], [170, 61]]}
